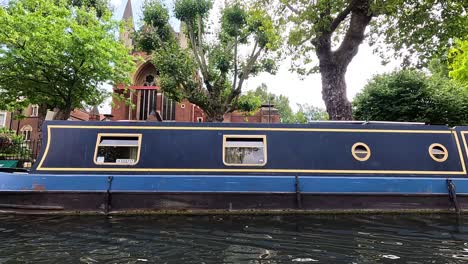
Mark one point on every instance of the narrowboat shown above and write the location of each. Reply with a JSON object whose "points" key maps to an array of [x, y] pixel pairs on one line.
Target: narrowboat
{"points": [[159, 167]]}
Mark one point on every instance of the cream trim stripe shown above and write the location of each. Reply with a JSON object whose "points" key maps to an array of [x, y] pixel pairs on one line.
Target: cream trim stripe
{"points": [[460, 153]]}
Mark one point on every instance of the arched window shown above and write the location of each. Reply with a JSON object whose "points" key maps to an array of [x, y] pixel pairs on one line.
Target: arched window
{"points": [[148, 98], [26, 132]]}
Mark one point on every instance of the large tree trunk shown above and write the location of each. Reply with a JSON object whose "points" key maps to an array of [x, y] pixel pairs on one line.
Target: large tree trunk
{"points": [[215, 118], [41, 117], [333, 64], [63, 114], [334, 92]]}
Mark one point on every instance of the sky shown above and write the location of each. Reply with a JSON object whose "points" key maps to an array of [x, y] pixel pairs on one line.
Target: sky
{"points": [[299, 90]]}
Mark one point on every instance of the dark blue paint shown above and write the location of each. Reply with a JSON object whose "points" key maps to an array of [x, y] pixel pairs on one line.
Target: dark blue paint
{"points": [[295, 150]]}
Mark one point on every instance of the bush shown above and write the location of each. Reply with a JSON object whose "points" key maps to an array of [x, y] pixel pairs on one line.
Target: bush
{"points": [[412, 96], [11, 145]]}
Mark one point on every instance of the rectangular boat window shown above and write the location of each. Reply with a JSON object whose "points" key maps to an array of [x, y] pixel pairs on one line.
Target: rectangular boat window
{"points": [[244, 150], [117, 149]]}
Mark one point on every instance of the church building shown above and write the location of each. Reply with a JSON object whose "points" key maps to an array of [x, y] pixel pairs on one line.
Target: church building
{"points": [[149, 100]]}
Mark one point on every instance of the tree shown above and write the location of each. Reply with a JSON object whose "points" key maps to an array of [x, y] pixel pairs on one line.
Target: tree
{"points": [[99, 6], [57, 55], [280, 102], [333, 31], [311, 113], [213, 70], [306, 113], [459, 62], [411, 96]]}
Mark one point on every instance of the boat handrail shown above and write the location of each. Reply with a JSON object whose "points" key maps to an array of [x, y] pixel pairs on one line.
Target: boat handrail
{"points": [[366, 122]]}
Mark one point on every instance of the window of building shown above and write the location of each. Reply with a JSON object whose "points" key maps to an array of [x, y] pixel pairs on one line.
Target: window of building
{"points": [[117, 149], [244, 150], [2, 119], [34, 110], [26, 132], [169, 109], [200, 119]]}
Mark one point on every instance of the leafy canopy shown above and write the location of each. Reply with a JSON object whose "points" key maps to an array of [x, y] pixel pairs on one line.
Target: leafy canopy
{"points": [[415, 30], [412, 96], [58, 55], [212, 70], [458, 59], [332, 31]]}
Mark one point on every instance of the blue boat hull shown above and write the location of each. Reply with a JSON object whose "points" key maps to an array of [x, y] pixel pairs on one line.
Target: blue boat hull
{"points": [[45, 193]]}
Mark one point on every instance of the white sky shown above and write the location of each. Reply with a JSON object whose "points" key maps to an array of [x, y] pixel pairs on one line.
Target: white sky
{"points": [[308, 90]]}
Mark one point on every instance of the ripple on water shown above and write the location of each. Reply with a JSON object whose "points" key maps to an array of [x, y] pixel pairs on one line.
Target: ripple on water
{"points": [[234, 239], [390, 256], [304, 260]]}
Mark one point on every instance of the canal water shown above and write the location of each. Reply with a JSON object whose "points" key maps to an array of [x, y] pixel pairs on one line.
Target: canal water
{"points": [[234, 239]]}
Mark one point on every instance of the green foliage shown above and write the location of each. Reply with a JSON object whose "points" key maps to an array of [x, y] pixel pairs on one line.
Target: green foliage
{"points": [[411, 96], [58, 55], [101, 7], [415, 30], [152, 37], [11, 145], [191, 10], [10, 136], [211, 72], [233, 20], [458, 58], [309, 113], [249, 102], [306, 113]]}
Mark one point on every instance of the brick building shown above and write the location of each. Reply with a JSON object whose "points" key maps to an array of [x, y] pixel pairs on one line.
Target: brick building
{"points": [[30, 124], [150, 102]]}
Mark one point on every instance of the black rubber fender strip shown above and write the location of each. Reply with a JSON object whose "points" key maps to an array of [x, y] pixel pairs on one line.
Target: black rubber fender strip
{"points": [[452, 191]]}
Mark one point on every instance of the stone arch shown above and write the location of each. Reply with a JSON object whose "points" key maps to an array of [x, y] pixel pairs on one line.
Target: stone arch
{"points": [[143, 72]]}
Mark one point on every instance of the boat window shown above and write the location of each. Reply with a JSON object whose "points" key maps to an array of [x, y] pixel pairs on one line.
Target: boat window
{"points": [[361, 151], [438, 152], [112, 149], [244, 150]]}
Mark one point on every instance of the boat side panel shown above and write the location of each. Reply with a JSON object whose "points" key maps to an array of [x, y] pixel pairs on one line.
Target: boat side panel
{"points": [[199, 151]]}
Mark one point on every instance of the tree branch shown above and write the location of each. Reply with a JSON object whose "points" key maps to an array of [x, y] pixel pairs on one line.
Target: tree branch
{"points": [[341, 16], [202, 64], [292, 9], [354, 36], [235, 64]]}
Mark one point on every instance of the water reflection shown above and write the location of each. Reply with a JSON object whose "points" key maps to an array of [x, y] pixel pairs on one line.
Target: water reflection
{"points": [[234, 239]]}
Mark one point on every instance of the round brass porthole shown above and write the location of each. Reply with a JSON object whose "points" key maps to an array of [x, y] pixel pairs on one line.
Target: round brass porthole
{"points": [[438, 152], [361, 151]]}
